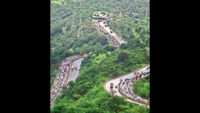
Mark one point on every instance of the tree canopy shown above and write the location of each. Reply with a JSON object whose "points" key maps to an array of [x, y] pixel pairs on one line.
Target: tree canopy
{"points": [[86, 94]]}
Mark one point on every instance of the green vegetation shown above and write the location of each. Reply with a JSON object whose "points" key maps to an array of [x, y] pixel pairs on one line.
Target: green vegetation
{"points": [[101, 57], [97, 100], [56, 2], [141, 88], [87, 94], [66, 42]]}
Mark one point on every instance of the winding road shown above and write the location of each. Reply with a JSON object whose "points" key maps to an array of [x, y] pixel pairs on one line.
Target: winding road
{"points": [[116, 81], [72, 75]]}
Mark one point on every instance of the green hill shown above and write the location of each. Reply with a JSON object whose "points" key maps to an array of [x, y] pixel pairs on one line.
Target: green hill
{"points": [[74, 17]]}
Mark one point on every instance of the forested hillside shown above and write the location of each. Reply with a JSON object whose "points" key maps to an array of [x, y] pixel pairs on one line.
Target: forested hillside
{"points": [[72, 33], [87, 95]]}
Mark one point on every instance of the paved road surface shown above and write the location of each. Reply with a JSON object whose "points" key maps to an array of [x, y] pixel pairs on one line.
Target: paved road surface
{"points": [[59, 82], [116, 40], [116, 81], [120, 40], [74, 74], [131, 74]]}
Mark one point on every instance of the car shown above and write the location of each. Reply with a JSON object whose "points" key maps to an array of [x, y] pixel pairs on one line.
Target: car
{"points": [[115, 86]]}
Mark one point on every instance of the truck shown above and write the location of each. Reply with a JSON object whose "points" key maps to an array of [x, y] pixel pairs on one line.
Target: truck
{"points": [[72, 68], [81, 55], [111, 86], [99, 15]]}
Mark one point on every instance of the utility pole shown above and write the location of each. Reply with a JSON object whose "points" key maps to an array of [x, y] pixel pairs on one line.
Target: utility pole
{"points": [[63, 29], [81, 29], [80, 32], [120, 16], [72, 28], [81, 3]]}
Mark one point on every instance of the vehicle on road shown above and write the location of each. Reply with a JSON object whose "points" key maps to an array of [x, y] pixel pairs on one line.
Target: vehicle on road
{"points": [[111, 86], [65, 68], [81, 54], [99, 15], [148, 100]]}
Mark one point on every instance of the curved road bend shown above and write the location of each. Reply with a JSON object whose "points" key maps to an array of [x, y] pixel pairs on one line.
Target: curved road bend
{"points": [[116, 81]]}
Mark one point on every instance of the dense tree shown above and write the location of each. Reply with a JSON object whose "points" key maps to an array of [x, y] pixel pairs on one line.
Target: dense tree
{"points": [[141, 88], [87, 94], [122, 57]]}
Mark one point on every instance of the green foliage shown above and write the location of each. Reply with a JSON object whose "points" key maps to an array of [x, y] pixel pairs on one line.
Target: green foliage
{"points": [[89, 85], [87, 94], [142, 88], [57, 2], [122, 57], [76, 96]]}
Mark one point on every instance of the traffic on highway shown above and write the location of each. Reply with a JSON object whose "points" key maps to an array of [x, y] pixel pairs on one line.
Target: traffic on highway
{"points": [[125, 85], [69, 69], [113, 38]]}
